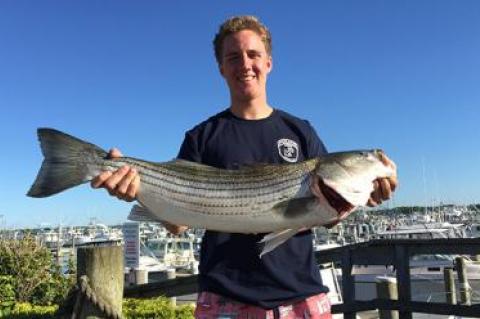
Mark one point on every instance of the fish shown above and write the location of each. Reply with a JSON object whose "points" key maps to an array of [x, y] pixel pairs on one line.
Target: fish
{"points": [[277, 200]]}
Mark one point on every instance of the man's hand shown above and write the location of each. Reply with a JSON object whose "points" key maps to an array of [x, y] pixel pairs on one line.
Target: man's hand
{"points": [[383, 188], [174, 229], [123, 183]]}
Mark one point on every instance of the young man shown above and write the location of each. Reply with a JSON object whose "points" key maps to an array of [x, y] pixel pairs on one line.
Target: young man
{"points": [[234, 282]]}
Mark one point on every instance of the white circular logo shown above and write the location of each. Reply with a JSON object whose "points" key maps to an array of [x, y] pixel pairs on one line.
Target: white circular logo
{"points": [[288, 150]]}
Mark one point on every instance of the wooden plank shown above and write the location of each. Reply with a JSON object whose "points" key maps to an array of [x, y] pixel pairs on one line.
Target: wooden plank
{"points": [[446, 309], [462, 249], [415, 306], [170, 288], [377, 252], [437, 241], [380, 255], [329, 255]]}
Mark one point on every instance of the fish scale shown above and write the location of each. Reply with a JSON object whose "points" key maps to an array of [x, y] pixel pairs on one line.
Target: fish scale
{"points": [[238, 193]]}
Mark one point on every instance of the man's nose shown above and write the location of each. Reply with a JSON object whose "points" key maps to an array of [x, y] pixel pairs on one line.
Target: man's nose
{"points": [[245, 62]]}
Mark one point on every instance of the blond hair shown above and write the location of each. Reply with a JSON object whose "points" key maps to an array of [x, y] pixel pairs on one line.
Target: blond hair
{"points": [[237, 24]]}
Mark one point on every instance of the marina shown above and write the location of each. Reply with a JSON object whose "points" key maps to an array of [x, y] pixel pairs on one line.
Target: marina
{"points": [[247, 117], [163, 257]]}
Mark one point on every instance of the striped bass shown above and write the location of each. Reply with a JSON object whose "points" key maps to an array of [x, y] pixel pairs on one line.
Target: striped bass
{"points": [[277, 199]]}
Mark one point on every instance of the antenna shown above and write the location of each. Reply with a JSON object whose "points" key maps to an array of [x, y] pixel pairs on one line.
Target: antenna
{"points": [[424, 184]]}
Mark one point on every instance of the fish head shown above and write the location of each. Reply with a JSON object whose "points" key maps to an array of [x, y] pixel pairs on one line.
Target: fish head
{"points": [[345, 179]]}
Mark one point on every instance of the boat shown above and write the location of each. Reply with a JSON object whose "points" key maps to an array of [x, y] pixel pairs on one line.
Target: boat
{"points": [[175, 251]]}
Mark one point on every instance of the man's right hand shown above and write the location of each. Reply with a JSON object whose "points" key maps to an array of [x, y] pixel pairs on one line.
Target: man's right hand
{"points": [[123, 183]]}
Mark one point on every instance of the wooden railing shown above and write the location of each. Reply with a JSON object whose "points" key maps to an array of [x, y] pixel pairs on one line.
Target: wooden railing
{"points": [[375, 252]]}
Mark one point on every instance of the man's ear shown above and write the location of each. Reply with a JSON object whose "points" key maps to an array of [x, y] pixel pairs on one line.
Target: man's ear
{"points": [[220, 68], [270, 64]]}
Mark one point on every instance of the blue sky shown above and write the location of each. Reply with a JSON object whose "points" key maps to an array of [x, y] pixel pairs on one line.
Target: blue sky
{"points": [[399, 75]]}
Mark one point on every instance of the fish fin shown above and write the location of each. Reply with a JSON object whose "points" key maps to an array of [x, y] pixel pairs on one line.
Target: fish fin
{"points": [[273, 240], [140, 213], [64, 165], [294, 208]]}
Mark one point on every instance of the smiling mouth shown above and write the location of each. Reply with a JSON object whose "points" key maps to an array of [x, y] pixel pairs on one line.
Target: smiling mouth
{"points": [[245, 79]]}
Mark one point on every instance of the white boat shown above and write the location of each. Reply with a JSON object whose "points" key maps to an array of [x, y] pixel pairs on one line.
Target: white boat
{"points": [[176, 252], [149, 262]]}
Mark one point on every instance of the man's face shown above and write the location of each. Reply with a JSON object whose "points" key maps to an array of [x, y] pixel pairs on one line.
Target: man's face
{"points": [[245, 65]]}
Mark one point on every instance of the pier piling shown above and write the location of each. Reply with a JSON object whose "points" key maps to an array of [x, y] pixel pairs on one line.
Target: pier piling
{"points": [[100, 275], [465, 291], [450, 290], [387, 289], [141, 276]]}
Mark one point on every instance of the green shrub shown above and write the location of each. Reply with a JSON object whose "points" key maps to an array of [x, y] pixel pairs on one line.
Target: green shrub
{"points": [[35, 277], [26, 262], [54, 289], [158, 308], [184, 312], [7, 294], [29, 311]]}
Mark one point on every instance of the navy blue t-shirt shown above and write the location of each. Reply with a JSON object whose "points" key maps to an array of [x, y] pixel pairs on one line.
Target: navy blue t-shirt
{"points": [[230, 263]]}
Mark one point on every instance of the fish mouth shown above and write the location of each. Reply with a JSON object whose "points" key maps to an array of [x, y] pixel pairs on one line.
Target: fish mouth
{"points": [[335, 200]]}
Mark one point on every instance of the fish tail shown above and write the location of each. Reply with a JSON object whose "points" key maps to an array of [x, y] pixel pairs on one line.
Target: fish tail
{"points": [[68, 162]]}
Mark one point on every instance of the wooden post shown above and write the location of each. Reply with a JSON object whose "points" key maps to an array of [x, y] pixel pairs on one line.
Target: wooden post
{"points": [[450, 290], [465, 296], [348, 284], [59, 246], [141, 276], [129, 279], [402, 263], [169, 274], [387, 289], [104, 268]]}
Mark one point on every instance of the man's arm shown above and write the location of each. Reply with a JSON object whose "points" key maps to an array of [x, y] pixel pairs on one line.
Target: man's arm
{"points": [[124, 184]]}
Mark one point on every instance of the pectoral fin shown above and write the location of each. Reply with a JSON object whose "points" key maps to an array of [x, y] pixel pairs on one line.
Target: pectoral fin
{"points": [[139, 213], [273, 240]]}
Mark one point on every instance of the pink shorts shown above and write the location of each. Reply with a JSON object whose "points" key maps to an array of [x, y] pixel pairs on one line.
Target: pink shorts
{"points": [[213, 306]]}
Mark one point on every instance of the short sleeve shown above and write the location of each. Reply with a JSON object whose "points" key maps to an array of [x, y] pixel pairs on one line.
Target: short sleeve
{"points": [[314, 144], [189, 149]]}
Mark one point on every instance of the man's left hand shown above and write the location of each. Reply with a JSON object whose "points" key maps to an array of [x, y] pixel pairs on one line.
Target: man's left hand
{"points": [[383, 188]]}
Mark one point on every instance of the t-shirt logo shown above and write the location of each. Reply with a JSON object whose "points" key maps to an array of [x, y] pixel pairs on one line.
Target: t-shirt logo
{"points": [[288, 150]]}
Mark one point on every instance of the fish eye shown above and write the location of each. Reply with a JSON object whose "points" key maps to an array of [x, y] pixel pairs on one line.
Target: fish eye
{"points": [[367, 155]]}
